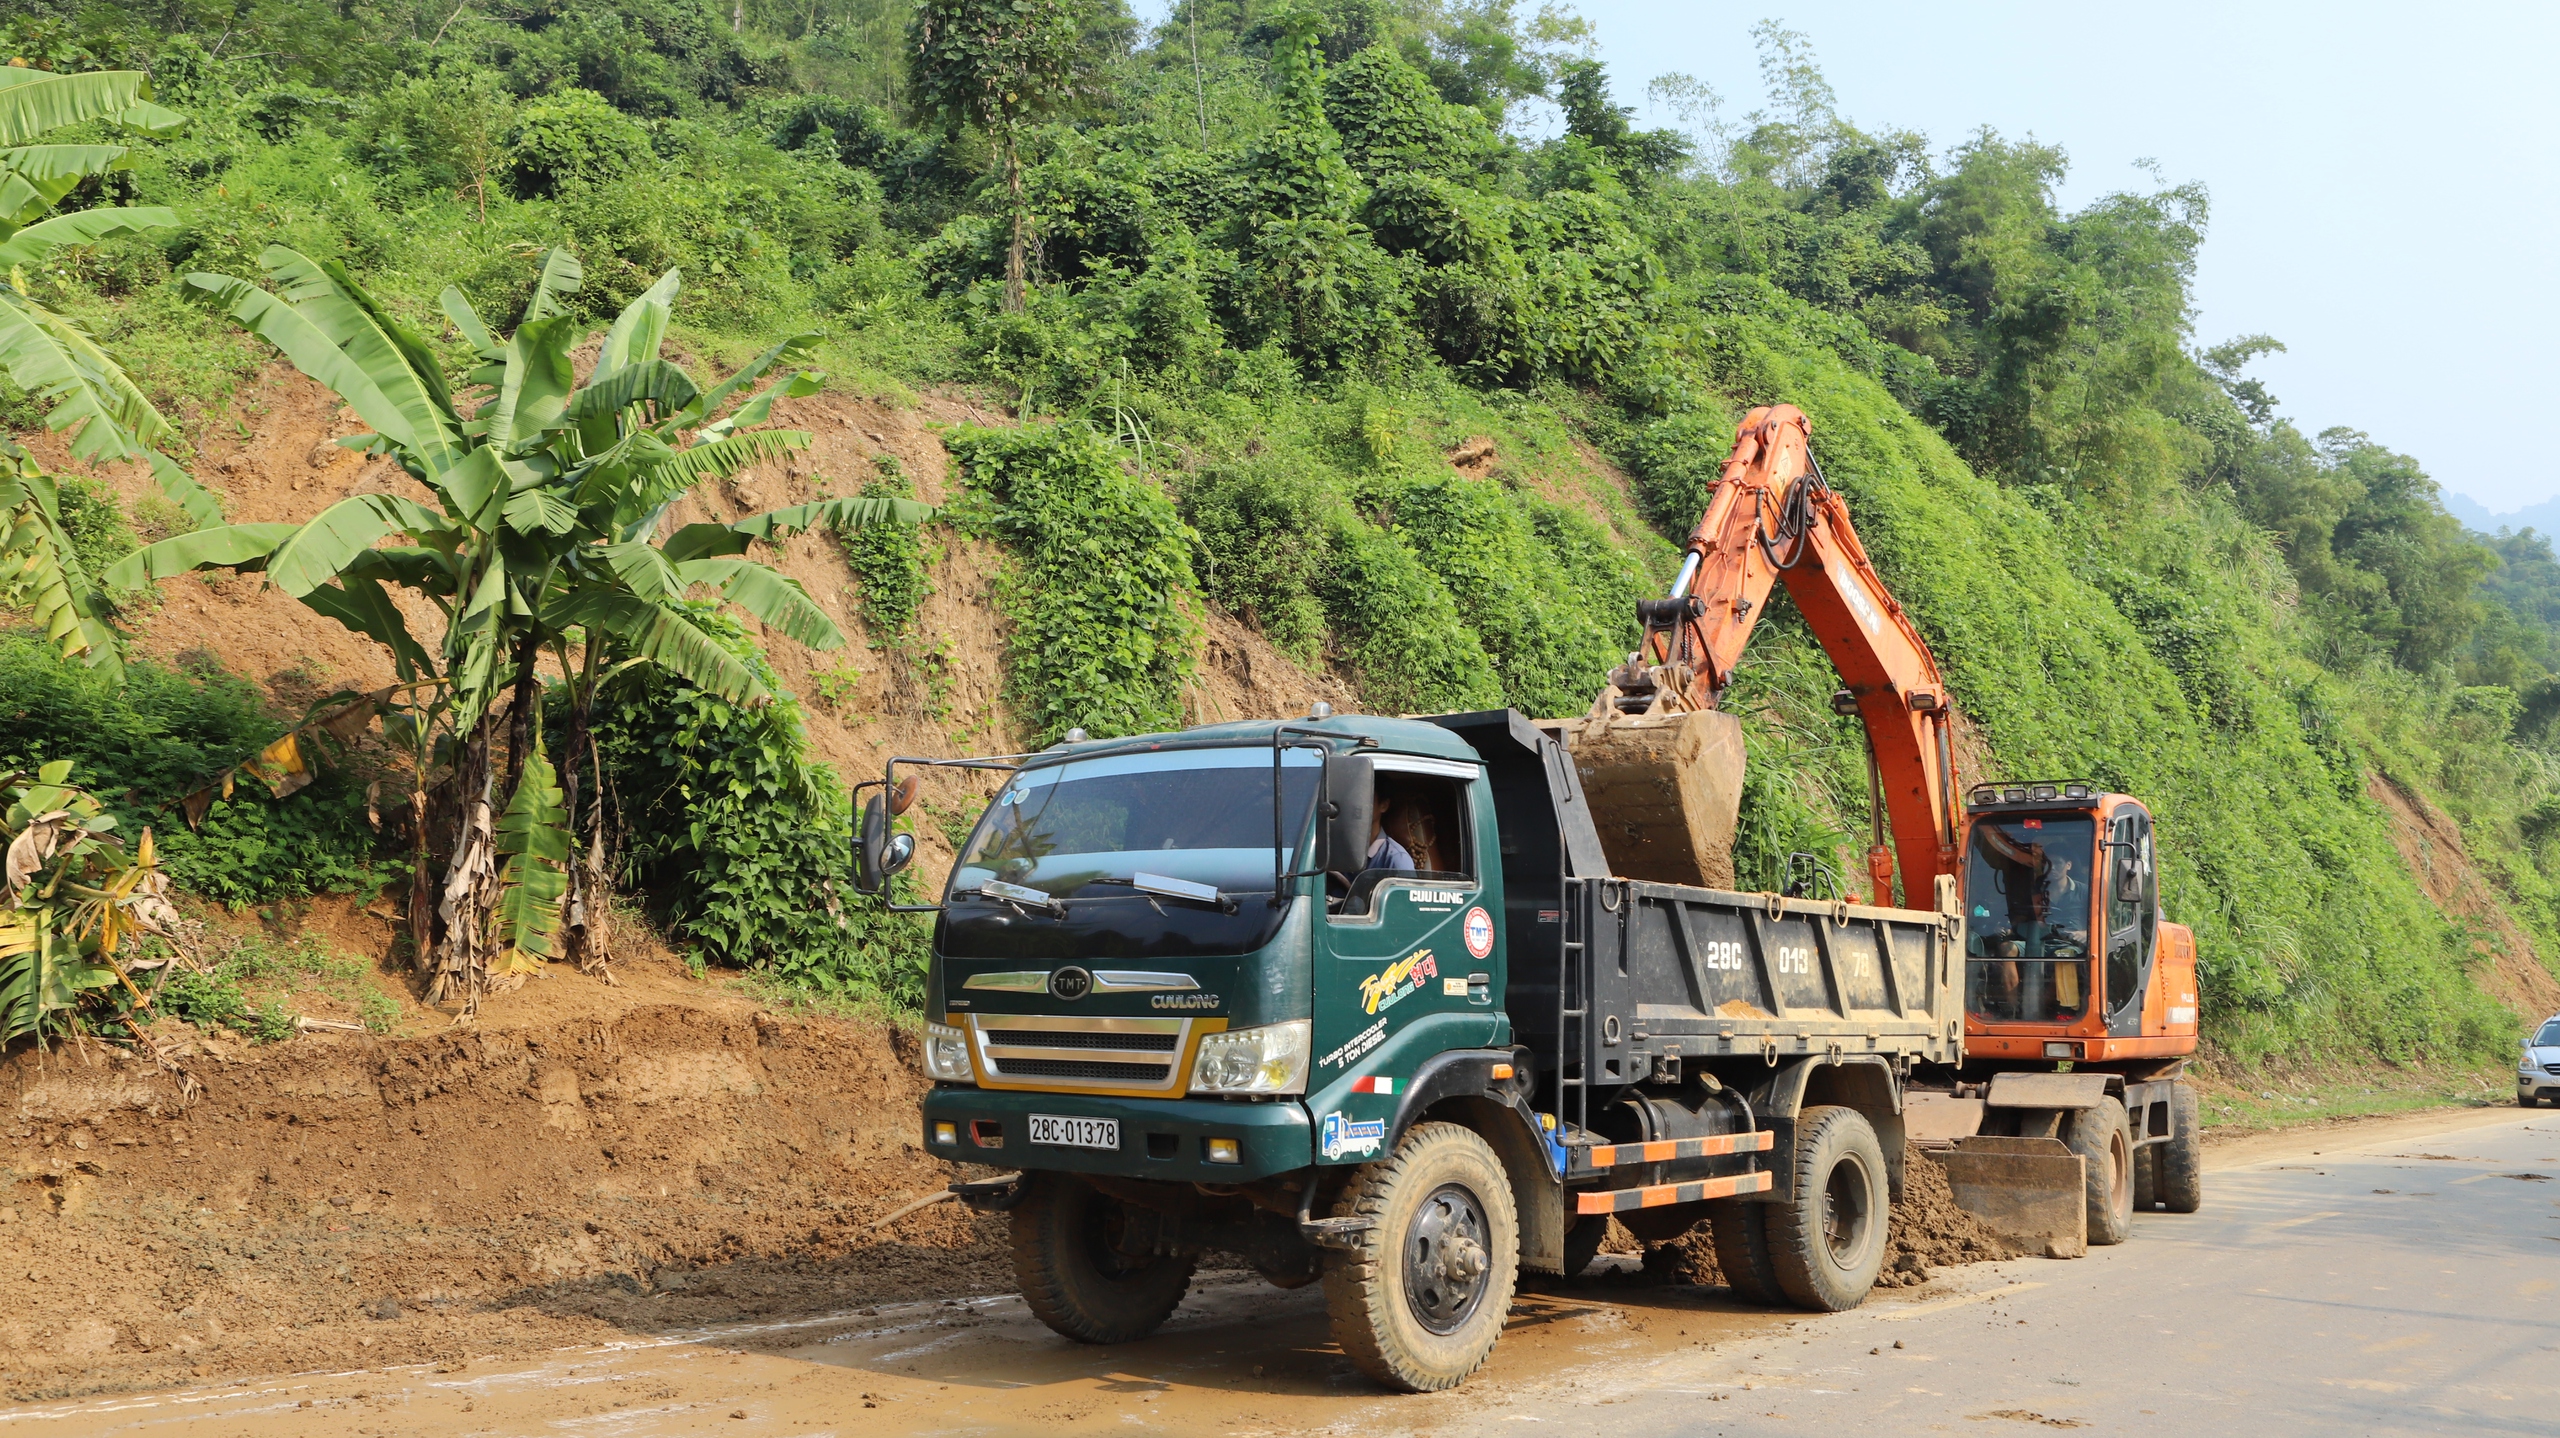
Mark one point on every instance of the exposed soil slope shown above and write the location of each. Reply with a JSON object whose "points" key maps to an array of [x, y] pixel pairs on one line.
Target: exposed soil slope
{"points": [[343, 1201], [2430, 843]]}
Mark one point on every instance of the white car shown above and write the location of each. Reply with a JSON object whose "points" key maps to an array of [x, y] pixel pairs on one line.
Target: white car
{"points": [[2538, 1072]]}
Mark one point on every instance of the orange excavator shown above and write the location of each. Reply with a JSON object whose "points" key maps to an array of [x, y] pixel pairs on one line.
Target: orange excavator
{"points": [[2071, 1108]]}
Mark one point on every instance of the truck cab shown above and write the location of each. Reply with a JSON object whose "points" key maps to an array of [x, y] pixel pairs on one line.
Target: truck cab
{"points": [[1224, 1033]]}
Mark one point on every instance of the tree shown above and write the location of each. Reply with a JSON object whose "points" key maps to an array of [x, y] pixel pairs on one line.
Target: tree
{"points": [[46, 354], [543, 540], [999, 65]]}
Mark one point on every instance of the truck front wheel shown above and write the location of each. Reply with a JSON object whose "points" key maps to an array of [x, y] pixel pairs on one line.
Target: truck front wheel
{"points": [[1826, 1241], [1419, 1302], [1073, 1272]]}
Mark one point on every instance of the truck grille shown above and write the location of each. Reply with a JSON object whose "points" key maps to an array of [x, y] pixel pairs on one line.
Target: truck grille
{"points": [[1068, 1054], [1126, 1043], [1084, 1069]]}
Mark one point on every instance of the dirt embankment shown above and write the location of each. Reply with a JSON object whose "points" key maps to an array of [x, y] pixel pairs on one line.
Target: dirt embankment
{"points": [[2430, 843], [344, 1201]]}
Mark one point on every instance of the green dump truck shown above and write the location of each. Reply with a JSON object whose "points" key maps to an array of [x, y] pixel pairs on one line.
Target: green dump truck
{"points": [[1177, 1001]]}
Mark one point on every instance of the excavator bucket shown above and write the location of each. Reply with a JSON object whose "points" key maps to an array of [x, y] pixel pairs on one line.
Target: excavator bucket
{"points": [[2031, 1191], [1664, 789]]}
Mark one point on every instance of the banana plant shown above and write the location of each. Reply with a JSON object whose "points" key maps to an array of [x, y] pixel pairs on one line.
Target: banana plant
{"points": [[106, 415], [71, 895], [543, 538]]}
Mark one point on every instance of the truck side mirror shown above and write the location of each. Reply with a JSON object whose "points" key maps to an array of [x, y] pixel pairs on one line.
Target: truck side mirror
{"points": [[877, 853], [1348, 811]]}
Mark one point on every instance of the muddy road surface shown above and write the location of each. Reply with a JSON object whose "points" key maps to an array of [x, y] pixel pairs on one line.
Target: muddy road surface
{"points": [[2389, 1277]]}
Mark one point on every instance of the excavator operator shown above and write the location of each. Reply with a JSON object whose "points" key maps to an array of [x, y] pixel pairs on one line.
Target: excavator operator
{"points": [[2037, 966]]}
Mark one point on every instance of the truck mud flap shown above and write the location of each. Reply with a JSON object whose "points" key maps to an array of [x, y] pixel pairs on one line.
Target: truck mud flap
{"points": [[2031, 1191]]}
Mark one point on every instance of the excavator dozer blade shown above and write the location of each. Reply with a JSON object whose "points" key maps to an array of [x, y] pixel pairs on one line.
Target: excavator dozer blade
{"points": [[1665, 791], [2031, 1191]]}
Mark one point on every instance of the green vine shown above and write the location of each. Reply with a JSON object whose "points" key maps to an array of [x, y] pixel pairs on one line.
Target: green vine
{"points": [[1102, 639], [887, 560]]}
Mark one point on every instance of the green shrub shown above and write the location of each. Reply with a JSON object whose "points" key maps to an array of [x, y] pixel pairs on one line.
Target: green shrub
{"points": [[145, 745], [737, 840], [1102, 638], [569, 138], [887, 560]]}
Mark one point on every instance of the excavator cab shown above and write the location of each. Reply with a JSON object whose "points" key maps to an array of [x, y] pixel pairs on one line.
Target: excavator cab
{"points": [[2062, 926]]}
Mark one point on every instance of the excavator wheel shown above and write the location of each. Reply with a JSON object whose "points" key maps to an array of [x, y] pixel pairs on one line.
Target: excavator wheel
{"points": [[2180, 1165], [2146, 1178], [2103, 1137], [1742, 1250]]}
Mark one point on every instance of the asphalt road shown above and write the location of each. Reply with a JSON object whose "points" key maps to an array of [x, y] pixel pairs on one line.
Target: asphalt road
{"points": [[2386, 1278]]}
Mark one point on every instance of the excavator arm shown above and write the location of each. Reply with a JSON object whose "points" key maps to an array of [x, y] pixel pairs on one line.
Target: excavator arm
{"points": [[1772, 519]]}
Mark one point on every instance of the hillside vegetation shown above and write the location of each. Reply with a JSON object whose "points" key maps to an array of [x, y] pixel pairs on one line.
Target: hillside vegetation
{"points": [[1307, 317]]}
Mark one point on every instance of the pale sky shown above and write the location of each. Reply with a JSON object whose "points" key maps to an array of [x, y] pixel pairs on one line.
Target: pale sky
{"points": [[2385, 189]]}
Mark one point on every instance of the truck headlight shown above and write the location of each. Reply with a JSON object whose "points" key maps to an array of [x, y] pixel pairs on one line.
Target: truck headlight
{"points": [[1268, 1059], [946, 1054]]}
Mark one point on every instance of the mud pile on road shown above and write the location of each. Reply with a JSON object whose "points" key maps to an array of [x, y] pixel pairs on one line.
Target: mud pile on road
{"points": [[1927, 1231], [355, 1201]]}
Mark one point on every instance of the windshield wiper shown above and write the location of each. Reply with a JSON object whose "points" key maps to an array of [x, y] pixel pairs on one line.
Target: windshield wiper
{"points": [[1158, 884], [1021, 898]]}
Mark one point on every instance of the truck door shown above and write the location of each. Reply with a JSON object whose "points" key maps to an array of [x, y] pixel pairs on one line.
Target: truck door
{"points": [[2133, 919], [1407, 959]]}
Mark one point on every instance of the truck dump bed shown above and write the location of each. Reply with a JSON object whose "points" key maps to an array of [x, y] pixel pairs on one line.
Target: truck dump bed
{"points": [[1610, 977]]}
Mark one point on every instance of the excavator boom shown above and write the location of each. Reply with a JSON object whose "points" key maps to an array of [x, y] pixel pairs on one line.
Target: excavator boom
{"points": [[1770, 519]]}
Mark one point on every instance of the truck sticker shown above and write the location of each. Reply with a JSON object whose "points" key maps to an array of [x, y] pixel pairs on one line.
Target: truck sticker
{"points": [[1385, 988], [1359, 1043], [1339, 1135], [1453, 988], [1479, 932], [1373, 1083], [1184, 1001]]}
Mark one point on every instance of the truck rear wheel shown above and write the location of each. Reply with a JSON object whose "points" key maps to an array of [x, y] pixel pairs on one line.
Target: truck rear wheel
{"points": [[2146, 1177], [2103, 1137], [2178, 1166], [1418, 1305], [1742, 1250], [1074, 1276], [1826, 1242]]}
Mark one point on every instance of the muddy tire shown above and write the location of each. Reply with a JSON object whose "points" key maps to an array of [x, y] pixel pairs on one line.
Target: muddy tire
{"points": [[2146, 1178], [1742, 1250], [2179, 1167], [1418, 1305], [2102, 1136], [1827, 1241], [1073, 1277]]}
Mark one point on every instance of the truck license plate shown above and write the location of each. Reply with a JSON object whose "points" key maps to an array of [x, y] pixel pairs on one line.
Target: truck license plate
{"points": [[1060, 1132]]}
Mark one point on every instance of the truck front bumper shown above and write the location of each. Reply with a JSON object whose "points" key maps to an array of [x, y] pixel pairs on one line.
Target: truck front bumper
{"points": [[1159, 1138]]}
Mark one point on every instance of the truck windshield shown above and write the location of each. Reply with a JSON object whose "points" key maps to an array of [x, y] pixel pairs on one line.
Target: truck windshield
{"points": [[1085, 829], [2027, 907], [1082, 832]]}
